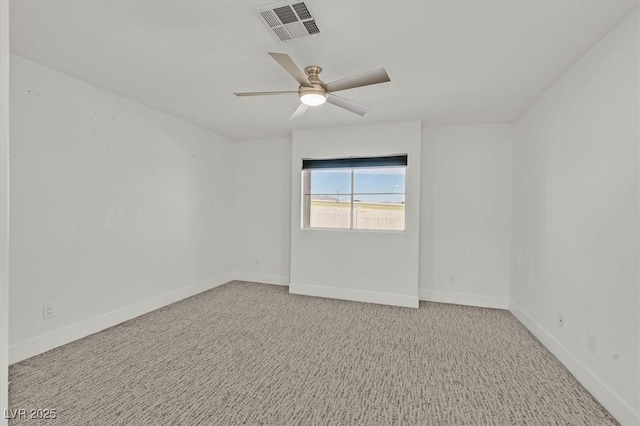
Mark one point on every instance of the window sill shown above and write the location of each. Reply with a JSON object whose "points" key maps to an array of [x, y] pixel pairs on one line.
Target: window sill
{"points": [[358, 231]]}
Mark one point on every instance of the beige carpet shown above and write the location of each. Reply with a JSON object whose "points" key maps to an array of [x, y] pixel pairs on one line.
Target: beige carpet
{"points": [[252, 354]]}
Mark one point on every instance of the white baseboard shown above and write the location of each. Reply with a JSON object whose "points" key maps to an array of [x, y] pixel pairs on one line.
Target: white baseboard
{"points": [[464, 299], [40, 344], [608, 398], [354, 295], [262, 278]]}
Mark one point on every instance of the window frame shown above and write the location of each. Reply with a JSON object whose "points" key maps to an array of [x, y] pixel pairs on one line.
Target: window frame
{"points": [[352, 164]]}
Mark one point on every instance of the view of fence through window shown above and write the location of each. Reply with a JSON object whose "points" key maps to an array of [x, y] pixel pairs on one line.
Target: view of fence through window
{"points": [[355, 198]]}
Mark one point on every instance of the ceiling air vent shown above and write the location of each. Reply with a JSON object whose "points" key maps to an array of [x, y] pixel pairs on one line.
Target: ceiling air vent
{"points": [[289, 21]]}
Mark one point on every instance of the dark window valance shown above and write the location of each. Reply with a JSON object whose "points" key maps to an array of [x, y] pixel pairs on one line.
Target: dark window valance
{"points": [[355, 162]]}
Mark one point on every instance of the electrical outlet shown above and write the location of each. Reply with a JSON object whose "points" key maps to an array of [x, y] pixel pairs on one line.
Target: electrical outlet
{"points": [[561, 321], [47, 311], [452, 279], [591, 343]]}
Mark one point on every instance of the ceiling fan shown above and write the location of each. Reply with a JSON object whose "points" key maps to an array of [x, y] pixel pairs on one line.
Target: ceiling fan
{"points": [[313, 92]]}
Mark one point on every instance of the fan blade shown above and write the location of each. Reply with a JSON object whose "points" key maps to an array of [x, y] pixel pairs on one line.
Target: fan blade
{"points": [[364, 79], [282, 92], [287, 63], [348, 104], [299, 112]]}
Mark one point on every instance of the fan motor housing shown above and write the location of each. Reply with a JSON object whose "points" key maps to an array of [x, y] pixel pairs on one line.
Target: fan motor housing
{"points": [[316, 89]]}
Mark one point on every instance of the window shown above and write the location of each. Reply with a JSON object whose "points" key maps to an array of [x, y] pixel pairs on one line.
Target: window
{"points": [[354, 193]]}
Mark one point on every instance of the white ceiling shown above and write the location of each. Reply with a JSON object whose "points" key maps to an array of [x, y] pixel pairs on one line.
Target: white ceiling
{"points": [[449, 61]]}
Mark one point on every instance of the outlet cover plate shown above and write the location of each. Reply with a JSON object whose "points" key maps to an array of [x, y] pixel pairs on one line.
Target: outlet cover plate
{"points": [[591, 343], [47, 311]]}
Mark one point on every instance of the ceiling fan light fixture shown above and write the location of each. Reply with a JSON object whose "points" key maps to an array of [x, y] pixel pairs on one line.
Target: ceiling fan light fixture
{"points": [[313, 92], [314, 98]]}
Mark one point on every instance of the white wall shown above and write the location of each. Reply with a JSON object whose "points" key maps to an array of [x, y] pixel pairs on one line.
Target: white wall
{"points": [[262, 215], [465, 206], [575, 220], [4, 210], [378, 267], [117, 209], [466, 214]]}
